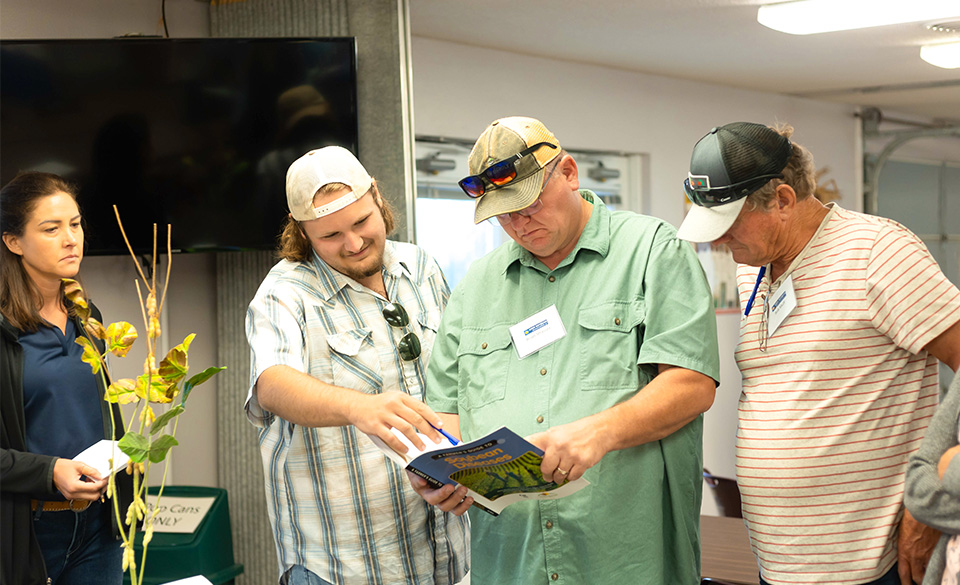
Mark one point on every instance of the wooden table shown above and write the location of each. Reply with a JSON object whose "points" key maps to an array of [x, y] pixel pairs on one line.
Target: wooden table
{"points": [[725, 551]]}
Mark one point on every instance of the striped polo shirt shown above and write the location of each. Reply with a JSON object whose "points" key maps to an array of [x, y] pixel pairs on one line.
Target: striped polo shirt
{"points": [[836, 400], [338, 505]]}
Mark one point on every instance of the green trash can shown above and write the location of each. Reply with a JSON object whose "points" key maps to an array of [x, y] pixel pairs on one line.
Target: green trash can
{"points": [[207, 551]]}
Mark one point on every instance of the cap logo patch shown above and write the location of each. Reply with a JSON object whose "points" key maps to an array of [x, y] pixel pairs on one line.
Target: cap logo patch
{"points": [[699, 182]]}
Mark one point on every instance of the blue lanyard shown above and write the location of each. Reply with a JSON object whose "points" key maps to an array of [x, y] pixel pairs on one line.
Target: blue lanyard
{"points": [[753, 295]]}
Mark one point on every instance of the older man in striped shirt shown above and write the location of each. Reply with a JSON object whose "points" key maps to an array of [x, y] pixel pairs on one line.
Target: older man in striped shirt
{"points": [[845, 317], [340, 332]]}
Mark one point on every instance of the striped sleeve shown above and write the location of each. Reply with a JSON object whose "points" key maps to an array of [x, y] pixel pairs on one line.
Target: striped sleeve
{"points": [[275, 328], [908, 298]]}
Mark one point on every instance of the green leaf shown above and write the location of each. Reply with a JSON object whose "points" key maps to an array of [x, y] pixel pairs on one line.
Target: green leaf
{"points": [[90, 354], [200, 379], [164, 418], [120, 338], [174, 366], [160, 391], [159, 448], [136, 446], [122, 392]]}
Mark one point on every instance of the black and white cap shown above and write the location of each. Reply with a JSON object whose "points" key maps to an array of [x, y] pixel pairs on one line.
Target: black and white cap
{"points": [[727, 165]]}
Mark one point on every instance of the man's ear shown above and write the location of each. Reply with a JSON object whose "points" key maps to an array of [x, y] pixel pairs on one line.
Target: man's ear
{"points": [[570, 172], [786, 198], [13, 244]]}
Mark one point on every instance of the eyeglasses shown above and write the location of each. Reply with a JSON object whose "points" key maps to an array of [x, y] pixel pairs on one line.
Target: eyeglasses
{"points": [[536, 206], [396, 316], [499, 173], [504, 218], [698, 189]]}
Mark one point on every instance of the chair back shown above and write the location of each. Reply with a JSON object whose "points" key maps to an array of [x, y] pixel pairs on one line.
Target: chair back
{"points": [[725, 492]]}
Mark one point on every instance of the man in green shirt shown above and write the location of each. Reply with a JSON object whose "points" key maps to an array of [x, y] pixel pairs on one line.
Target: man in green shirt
{"points": [[617, 398]]}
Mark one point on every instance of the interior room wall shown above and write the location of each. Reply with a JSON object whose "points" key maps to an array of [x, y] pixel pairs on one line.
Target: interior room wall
{"points": [[191, 300], [459, 89], [101, 19]]}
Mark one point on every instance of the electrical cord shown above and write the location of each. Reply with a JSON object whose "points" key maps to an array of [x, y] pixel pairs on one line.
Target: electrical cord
{"points": [[163, 17]]}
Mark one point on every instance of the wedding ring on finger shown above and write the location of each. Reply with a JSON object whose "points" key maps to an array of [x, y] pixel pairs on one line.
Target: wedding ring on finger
{"points": [[562, 472]]}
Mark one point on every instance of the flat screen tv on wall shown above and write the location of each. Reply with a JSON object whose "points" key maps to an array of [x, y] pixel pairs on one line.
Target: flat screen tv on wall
{"points": [[197, 133]]}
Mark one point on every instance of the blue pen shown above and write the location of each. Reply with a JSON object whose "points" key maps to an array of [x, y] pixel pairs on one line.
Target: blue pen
{"points": [[447, 435], [753, 295]]}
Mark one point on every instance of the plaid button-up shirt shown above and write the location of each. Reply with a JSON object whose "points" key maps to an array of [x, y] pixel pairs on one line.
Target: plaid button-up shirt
{"points": [[338, 506]]}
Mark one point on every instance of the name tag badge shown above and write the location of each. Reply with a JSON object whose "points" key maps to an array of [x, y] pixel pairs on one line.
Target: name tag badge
{"points": [[538, 331], [784, 301]]}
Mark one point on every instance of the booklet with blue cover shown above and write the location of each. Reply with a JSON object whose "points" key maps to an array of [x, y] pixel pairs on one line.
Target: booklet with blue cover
{"points": [[498, 469]]}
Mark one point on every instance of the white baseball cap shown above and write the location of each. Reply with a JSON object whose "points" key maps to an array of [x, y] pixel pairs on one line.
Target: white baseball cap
{"points": [[320, 167]]}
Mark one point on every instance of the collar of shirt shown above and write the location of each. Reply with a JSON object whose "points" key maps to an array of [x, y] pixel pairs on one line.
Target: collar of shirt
{"points": [[595, 237], [332, 282]]}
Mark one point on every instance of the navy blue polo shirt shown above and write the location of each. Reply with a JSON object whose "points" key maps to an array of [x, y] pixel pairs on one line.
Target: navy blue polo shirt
{"points": [[60, 396]]}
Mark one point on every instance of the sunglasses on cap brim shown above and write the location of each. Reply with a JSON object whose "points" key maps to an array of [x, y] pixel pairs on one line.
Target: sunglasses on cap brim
{"points": [[698, 189], [499, 173]]}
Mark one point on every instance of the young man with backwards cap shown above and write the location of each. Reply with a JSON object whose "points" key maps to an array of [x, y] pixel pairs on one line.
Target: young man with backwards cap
{"points": [[844, 321], [615, 394], [340, 332]]}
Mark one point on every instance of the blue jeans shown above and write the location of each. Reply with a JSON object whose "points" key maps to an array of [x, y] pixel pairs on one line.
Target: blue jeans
{"points": [[891, 578], [299, 575], [78, 547]]}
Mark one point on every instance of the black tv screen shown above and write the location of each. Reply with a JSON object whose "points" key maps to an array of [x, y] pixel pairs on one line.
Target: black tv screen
{"points": [[197, 133]]}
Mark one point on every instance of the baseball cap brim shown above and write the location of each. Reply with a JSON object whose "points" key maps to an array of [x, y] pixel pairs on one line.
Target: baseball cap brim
{"points": [[706, 224], [509, 198]]}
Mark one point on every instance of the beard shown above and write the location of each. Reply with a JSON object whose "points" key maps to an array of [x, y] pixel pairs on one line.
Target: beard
{"points": [[362, 270]]}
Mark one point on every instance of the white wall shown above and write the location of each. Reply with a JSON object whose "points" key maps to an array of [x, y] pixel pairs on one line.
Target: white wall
{"points": [[190, 307], [191, 302], [459, 89], [100, 19]]}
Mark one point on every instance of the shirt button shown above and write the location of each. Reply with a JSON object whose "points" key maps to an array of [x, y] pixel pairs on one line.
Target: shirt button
{"points": [[616, 321], [543, 371], [552, 278], [483, 345], [549, 524], [540, 419], [554, 576]]}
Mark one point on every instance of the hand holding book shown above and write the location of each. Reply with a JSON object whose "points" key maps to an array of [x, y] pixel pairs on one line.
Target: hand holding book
{"points": [[498, 469]]}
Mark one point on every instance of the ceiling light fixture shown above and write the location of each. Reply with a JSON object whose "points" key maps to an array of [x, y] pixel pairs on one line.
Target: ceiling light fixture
{"points": [[946, 55], [804, 17]]}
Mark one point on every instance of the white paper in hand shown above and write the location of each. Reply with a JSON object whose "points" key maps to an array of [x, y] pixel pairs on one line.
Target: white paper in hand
{"points": [[98, 456], [198, 580]]}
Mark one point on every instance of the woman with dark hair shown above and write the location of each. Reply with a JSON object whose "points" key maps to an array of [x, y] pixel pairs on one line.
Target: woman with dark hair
{"points": [[56, 526]]}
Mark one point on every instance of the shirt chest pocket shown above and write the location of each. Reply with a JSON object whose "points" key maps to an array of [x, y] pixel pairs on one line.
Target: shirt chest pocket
{"points": [[610, 345], [429, 324], [483, 359], [354, 361]]}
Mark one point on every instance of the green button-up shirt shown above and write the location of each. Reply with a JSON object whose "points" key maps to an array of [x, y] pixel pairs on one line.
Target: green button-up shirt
{"points": [[630, 296]]}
